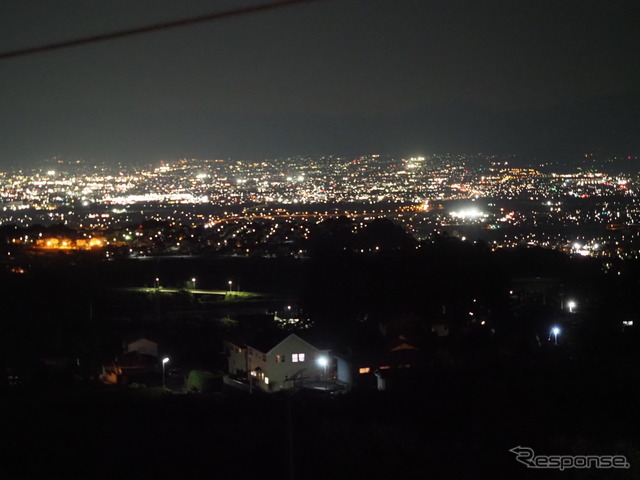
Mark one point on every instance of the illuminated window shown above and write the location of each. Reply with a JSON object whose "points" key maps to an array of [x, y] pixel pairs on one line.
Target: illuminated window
{"points": [[364, 370], [385, 367], [297, 357], [266, 380], [280, 358]]}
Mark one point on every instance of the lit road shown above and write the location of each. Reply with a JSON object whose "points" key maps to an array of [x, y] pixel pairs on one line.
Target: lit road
{"points": [[224, 293], [274, 216]]}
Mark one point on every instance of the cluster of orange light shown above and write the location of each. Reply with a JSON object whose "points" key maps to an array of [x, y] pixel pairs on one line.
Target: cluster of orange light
{"points": [[70, 244]]}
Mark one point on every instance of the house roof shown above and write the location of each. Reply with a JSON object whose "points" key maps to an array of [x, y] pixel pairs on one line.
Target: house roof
{"points": [[266, 342], [142, 339], [401, 343], [292, 335], [398, 350], [142, 335]]}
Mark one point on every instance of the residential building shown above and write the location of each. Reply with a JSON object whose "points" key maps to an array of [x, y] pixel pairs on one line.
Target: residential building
{"points": [[143, 346], [278, 365]]}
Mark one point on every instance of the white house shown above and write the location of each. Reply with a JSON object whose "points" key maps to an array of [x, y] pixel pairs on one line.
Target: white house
{"points": [[143, 346], [289, 363]]}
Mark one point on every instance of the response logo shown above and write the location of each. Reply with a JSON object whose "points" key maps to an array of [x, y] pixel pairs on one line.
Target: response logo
{"points": [[526, 456]]}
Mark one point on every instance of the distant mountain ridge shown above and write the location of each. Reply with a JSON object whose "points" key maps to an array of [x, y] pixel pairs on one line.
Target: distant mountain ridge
{"points": [[607, 124]]}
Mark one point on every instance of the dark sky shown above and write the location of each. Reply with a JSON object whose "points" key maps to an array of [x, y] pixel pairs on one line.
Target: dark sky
{"points": [[336, 76]]}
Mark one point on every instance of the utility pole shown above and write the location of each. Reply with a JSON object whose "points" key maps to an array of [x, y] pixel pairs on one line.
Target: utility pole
{"points": [[290, 434], [246, 358]]}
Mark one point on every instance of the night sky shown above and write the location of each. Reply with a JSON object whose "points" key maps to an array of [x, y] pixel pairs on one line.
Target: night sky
{"points": [[547, 78]]}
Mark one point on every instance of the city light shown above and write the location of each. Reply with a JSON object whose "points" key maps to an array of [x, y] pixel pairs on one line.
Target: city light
{"points": [[470, 213], [424, 185]]}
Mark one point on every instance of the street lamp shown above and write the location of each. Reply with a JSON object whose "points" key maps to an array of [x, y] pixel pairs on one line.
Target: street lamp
{"points": [[571, 306], [165, 360], [323, 362], [193, 280], [230, 283], [555, 331], [157, 282]]}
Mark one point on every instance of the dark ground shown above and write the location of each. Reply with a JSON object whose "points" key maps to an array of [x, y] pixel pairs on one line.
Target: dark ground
{"points": [[453, 425], [446, 424]]}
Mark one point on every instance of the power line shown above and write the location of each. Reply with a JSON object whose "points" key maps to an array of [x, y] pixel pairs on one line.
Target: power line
{"points": [[150, 28]]}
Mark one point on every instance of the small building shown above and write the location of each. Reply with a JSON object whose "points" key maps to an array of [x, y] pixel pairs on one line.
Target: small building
{"points": [[143, 346], [278, 365], [138, 362], [394, 365]]}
